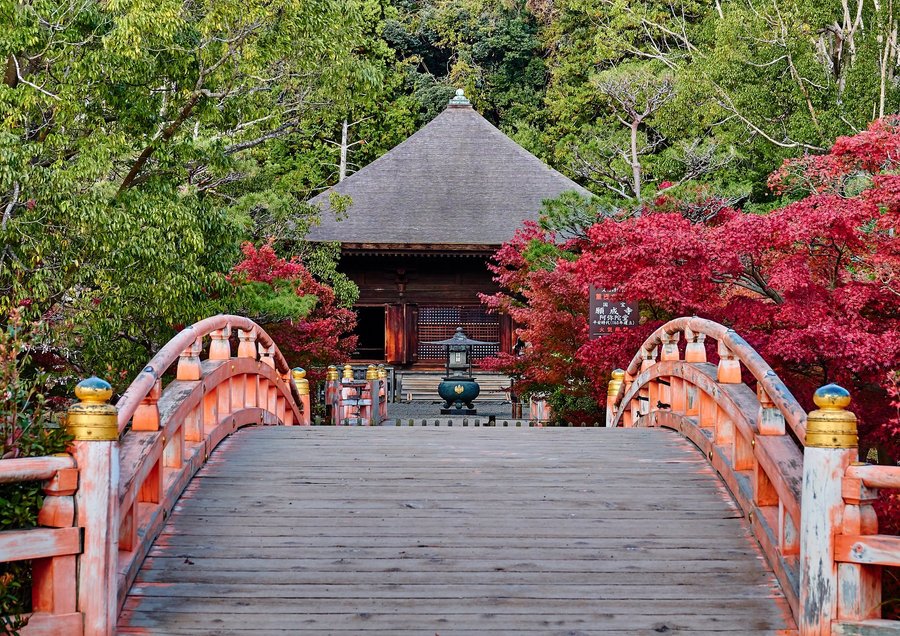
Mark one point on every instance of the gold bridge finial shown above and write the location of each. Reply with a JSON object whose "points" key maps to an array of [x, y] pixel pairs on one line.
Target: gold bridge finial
{"points": [[831, 425], [93, 418]]}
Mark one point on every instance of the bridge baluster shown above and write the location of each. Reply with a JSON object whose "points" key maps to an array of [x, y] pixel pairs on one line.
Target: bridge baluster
{"points": [[146, 417], [382, 393], [189, 362], [788, 532], [770, 420], [302, 386], [695, 350], [53, 579], [332, 391], [729, 371], [220, 345], [267, 354], [670, 346], [648, 357], [247, 344]]}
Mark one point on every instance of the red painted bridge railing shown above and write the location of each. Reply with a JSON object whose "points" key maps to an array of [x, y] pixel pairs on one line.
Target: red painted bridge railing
{"points": [[795, 476], [108, 501]]}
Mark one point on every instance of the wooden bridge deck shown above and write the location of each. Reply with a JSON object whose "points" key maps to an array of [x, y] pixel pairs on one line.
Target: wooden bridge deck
{"points": [[452, 531]]}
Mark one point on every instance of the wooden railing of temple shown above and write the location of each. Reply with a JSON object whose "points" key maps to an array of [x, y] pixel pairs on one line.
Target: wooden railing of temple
{"points": [[108, 501], [795, 476], [356, 402]]}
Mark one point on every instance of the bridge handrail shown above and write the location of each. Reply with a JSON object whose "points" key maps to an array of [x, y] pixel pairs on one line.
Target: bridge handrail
{"points": [[52, 546], [736, 346], [809, 503], [176, 348], [121, 483]]}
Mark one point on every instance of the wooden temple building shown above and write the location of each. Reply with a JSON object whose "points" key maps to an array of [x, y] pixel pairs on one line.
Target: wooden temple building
{"points": [[424, 220]]}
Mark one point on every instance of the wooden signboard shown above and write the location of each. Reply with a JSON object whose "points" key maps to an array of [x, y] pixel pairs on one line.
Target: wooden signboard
{"points": [[609, 313]]}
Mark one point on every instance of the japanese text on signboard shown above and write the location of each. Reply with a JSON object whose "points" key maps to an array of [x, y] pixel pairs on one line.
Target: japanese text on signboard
{"points": [[609, 313]]}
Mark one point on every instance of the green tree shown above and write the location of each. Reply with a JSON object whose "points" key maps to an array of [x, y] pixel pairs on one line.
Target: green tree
{"points": [[136, 152]]}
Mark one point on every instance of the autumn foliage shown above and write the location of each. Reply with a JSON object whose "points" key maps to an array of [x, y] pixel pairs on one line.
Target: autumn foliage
{"points": [[814, 285], [319, 337]]}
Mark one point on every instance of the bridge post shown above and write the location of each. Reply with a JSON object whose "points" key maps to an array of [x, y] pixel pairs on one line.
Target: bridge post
{"points": [[612, 392], [831, 445], [302, 385], [93, 423], [332, 388], [383, 393], [369, 413]]}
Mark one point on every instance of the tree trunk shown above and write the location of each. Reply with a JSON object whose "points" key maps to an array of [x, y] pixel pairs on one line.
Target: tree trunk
{"points": [[635, 162]]}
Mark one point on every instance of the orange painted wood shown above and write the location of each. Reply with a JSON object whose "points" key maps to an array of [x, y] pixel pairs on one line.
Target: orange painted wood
{"points": [[729, 370], [876, 476], [44, 624], [53, 585], [821, 506], [247, 343], [188, 364], [146, 416], [37, 543], [64, 482], [57, 512], [781, 396], [189, 341], [97, 508], [878, 549], [219, 346], [33, 468]]}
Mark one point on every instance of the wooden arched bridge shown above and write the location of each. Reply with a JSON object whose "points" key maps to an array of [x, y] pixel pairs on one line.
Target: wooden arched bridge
{"points": [[707, 504]]}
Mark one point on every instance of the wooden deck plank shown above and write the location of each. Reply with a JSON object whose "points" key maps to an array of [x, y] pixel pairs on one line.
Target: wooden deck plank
{"points": [[439, 530]]}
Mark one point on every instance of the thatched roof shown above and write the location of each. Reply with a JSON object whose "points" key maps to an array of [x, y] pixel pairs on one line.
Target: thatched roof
{"points": [[457, 181]]}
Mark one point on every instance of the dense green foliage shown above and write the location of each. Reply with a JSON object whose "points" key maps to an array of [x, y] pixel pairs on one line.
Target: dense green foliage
{"points": [[141, 144], [25, 431]]}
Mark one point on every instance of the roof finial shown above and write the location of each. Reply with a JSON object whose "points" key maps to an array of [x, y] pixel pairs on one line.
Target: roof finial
{"points": [[460, 99]]}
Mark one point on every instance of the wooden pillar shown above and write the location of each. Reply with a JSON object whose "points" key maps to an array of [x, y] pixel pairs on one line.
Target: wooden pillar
{"points": [[189, 362], [368, 411], [332, 390], [146, 416], [298, 374], [382, 393], [695, 350], [93, 425], [247, 344], [219, 346], [831, 445], [343, 408], [612, 393]]}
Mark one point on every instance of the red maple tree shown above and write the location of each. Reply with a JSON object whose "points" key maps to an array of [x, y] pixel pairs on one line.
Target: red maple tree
{"points": [[324, 335], [813, 285]]}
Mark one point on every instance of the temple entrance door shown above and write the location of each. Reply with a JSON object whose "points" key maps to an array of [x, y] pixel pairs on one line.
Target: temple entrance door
{"points": [[370, 329]]}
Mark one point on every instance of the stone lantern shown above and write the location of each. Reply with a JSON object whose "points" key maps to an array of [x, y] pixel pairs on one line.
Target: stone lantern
{"points": [[458, 387]]}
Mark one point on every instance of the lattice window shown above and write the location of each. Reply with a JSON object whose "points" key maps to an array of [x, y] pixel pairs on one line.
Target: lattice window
{"points": [[439, 323]]}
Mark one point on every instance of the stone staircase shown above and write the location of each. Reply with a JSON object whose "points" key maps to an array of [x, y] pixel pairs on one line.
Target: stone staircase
{"points": [[422, 385]]}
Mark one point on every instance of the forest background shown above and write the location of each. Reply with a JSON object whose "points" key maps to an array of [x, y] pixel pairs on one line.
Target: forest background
{"points": [[156, 157]]}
